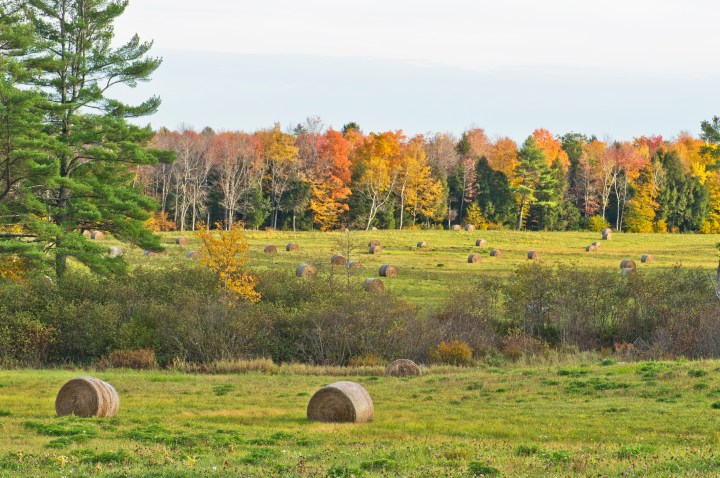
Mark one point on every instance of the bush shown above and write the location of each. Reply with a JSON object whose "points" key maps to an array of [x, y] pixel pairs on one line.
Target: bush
{"points": [[596, 223], [138, 359], [518, 344], [455, 352]]}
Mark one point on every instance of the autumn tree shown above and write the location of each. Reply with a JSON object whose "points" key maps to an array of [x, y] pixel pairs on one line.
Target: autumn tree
{"points": [[552, 148], [418, 190], [330, 180], [281, 156]]}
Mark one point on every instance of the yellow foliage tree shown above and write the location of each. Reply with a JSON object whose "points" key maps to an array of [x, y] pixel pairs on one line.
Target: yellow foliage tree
{"points": [[223, 252], [711, 224]]}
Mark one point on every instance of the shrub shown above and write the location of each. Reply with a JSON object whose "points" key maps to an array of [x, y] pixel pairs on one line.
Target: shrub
{"points": [[455, 352], [596, 224], [138, 359], [518, 344]]}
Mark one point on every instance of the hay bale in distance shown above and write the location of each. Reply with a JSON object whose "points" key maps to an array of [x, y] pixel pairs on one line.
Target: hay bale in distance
{"points": [[270, 249], [115, 251], [647, 258], [533, 255], [627, 271], [496, 253], [373, 285], [402, 368], [338, 260], [353, 265], [182, 241], [343, 401], [97, 235], [194, 255], [374, 242], [86, 233], [607, 236], [388, 270], [457, 227], [481, 243], [154, 254], [292, 247], [374, 228], [87, 397], [597, 244], [469, 227], [422, 245], [375, 249], [306, 271], [474, 258], [628, 264], [591, 248], [606, 230]]}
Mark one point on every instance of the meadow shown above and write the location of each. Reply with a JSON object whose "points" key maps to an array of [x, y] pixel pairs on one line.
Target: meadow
{"points": [[583, 417], [426, 273]]}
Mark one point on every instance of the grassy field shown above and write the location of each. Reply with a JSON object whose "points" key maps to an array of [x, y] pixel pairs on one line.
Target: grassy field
{"points": [[599, 418], [425, 273]]}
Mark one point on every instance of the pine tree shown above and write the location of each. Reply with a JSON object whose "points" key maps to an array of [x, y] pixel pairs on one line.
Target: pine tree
{"points": [[534, 181], [96, 149]]}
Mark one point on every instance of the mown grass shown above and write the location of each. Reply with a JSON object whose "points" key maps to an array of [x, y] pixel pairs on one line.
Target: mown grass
{"points": [[426, 273], [655, 419]]}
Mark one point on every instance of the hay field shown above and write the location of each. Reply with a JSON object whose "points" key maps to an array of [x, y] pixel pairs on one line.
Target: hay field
{"points": [[426, 272], [598, 418]]}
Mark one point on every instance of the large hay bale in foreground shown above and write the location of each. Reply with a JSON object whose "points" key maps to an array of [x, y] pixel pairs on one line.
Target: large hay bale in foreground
{"points": [[474, 258], [647, 258], [533, 255], [374, 242], [182, 241], [305, 271], [422, 244], [388, 270], [292, 247], [373, 285], [116, 251], [194, 255], [87, 397], [375, 249], [338, 260], [628, 264], [341, 402], [496, 253], [481, 243], [469, 227], [607, 236], [97, 235], [270, 249], [402, 368], [353, 265], [591, 248], [457, 227]]}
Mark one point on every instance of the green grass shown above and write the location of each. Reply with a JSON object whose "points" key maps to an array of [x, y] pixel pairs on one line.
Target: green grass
{"points": [[619, 419], [426, 273]]}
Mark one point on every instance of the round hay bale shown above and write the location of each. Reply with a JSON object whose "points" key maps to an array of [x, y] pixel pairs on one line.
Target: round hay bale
{"points": [[474, 258], [373, 285], [481, 243], [374, 242], [305, 271], [342, 401], [606, 230], [388, 270], [591, 248], [628, 264], [402, 368], [292, 247], [533, 255], [422, 244], [182, 241], [115, 252], [496, 253], [338, 260], [647, 258], [87, 233], [457, 227], [375, 249], [194, 255], [597, 244], [270, 249], [97, 235], [374, 228], [627, 271], [154, 254], [469, 227], [607, 236], [87, 397], [353, 265]]}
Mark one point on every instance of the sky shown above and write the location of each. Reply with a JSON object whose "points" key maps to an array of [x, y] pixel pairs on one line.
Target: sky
{"points": [[615, 69]]}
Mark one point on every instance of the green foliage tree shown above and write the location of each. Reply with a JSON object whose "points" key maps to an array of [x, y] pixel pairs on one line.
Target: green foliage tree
{"points": [[95, 148], [495, 196], [535, 182], [683, 198]]}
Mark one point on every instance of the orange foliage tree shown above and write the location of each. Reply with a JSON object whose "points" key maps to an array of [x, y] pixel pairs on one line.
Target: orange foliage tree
{"points": [[224, 254], [330, 180], [551, 147], [502, 156]]}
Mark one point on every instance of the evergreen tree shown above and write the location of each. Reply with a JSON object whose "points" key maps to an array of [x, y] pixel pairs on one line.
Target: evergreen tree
{"points": [[535, 183], [683, 198], [96, 150], [495, 196]]}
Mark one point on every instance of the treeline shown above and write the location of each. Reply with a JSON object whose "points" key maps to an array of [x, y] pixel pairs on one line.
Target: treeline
{"points": [[316, 178]]}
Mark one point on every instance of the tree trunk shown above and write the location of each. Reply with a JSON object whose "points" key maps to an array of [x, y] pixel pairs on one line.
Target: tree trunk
{"points": [[522, 211]]}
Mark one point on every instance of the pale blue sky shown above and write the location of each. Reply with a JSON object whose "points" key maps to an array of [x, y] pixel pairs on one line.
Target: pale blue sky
{"points": [[613, 68]]}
